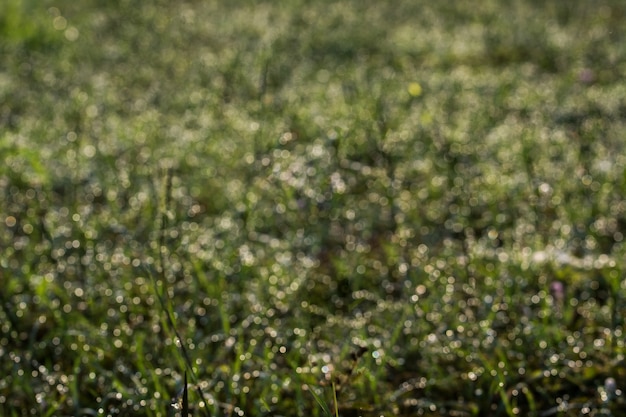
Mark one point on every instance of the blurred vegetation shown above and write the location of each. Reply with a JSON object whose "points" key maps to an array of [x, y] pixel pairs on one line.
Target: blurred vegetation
{"points": [[416, 208]]}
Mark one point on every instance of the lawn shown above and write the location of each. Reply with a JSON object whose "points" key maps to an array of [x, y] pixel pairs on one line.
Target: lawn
{"points": [[353, 208]]}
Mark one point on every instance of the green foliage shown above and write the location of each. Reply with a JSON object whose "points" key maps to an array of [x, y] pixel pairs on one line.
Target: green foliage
{"points": [[25, 23], [312, 208]]}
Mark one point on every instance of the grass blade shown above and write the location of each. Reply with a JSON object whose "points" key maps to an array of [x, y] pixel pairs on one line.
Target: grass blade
{"points": [[185, 399], [320, 401]]}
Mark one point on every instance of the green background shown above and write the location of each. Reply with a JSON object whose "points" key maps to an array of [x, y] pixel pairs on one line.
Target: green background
{"points": [[402, 207]]}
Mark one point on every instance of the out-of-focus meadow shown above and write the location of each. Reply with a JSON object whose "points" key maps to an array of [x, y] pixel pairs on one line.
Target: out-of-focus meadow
{"points": [[354, 208]]}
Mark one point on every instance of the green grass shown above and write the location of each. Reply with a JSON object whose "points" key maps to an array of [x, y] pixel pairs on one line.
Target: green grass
{"points": [[312, 208]]}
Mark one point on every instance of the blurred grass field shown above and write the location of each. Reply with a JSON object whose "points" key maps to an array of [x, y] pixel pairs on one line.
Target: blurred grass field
{"points": [[361, 208]]}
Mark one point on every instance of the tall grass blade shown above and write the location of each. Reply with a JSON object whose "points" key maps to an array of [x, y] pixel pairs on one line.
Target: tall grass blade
{"points": [[163, 295], [320, 401], [185, 399]]}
